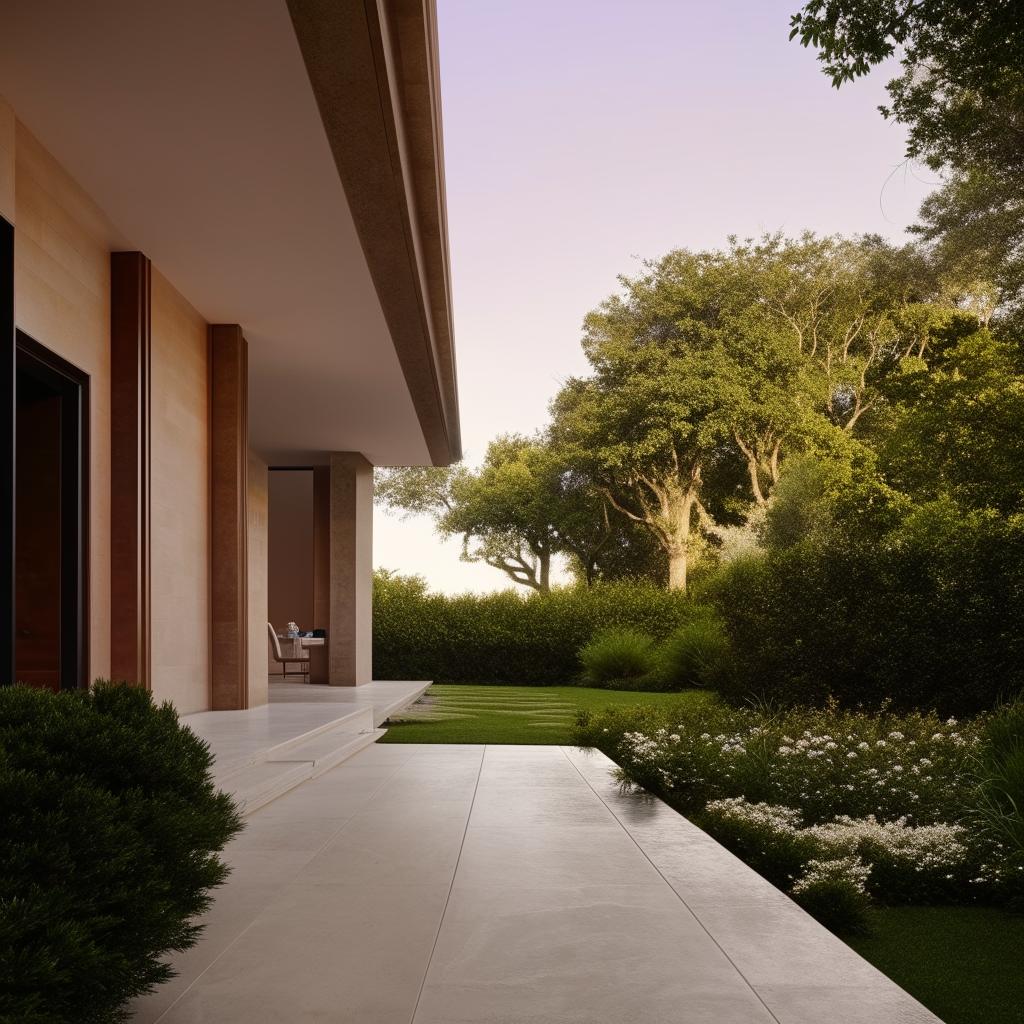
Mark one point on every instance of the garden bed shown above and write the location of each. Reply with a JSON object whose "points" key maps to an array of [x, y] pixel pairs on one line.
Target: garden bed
{"points": [[848, 812]]}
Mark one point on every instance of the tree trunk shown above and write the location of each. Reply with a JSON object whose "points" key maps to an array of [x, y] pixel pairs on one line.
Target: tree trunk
{"points": [[544, 562], [677, 569]]}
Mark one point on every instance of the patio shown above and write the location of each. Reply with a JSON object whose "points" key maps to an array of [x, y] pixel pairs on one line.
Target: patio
{"points": [[417, 883]]}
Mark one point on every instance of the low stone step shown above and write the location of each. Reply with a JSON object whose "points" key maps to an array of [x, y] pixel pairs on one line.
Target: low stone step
{"points": [[356, 721], [257, 785], [325, 751]]}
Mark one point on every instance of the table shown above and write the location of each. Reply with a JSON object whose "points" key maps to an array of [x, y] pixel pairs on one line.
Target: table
{"points": [[291, 648]]}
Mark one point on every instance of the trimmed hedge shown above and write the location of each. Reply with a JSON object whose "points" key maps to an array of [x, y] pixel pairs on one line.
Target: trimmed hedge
{"points": [[929, 617], [506, 637], [109, 832]]}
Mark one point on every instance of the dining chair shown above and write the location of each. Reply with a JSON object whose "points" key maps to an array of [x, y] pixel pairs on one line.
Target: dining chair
{"points": [[302, 659]]}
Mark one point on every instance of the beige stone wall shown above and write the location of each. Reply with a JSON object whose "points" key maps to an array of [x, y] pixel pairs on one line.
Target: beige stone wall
{"points": [[62, 299], [180, 502], [258, 504]]}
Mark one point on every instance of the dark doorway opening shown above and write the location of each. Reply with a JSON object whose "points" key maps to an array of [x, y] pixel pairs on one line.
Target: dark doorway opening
{"points": [[50, 448]]}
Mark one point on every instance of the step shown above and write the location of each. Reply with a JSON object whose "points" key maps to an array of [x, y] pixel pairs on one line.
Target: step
{"points": [[356, 721], [257, 785], [399, 704], [304, 757], [324, 752]]}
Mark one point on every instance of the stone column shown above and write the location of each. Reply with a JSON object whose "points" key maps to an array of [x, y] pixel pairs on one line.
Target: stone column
{"points": [[343, 568]]}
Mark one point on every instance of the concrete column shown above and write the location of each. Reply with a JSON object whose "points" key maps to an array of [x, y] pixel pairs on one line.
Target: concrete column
{"points": [[343, 568]]}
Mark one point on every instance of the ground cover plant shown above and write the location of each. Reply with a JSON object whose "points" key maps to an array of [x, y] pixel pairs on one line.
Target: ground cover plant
{"points": [[110, 829], [512, 714]]}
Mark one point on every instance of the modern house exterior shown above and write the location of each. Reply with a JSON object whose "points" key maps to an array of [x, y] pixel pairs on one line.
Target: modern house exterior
{"points": [[223, 255]]}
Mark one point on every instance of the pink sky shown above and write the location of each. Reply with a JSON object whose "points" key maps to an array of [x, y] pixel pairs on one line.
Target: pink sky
{"points": [[582, 136]]}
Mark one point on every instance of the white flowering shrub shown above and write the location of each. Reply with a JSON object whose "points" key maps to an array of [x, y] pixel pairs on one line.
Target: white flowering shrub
{"points": [[826, 762], [835, 892], [907, 863], [892, 792]]}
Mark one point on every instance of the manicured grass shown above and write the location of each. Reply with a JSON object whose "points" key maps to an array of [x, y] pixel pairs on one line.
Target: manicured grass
{"points": [[966, 964], [512, 714]]}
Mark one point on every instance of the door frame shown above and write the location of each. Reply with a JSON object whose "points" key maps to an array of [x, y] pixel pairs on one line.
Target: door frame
{"points": [[20, 352], [72, 386]]}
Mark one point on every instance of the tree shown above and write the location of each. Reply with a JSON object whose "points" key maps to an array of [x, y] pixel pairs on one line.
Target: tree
{"points": [[961, 90], [955, 434], [524, 505], [961, 95]]}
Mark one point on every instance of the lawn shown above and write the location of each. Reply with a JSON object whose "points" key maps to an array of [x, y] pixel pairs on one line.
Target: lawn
{"points": [[512, 714], [963, 963]]}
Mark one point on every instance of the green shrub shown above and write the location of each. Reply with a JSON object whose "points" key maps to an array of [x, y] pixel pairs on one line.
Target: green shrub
{"points": [[697, 654], [833, 892], [924, 617], [617, 659], [109, 833], [506, 637], [998, 808]]}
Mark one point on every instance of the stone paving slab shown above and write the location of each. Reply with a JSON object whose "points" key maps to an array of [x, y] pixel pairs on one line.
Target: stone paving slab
{"points": [[442, 884]]}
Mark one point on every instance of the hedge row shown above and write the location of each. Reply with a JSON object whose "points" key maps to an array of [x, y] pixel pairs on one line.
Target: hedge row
{"points": [[505, 637], [932, 618]]}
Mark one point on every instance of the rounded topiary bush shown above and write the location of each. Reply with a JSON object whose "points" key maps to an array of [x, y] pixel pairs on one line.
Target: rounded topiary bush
{"points": [[110, 827], [698, 653], [618, 658]]}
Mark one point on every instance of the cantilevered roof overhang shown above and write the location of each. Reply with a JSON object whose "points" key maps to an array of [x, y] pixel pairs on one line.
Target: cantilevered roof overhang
{"points": [[280, 161]]}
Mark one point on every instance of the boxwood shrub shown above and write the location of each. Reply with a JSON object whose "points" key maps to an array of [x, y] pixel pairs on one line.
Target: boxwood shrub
{"points": [[506, 637], [109, 832]]}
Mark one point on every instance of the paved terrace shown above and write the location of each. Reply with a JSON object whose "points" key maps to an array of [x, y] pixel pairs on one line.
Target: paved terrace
{"points": [[450, 884]]}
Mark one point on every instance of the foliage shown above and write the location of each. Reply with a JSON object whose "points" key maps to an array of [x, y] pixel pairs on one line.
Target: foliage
{"points": [[961, 95], [902, 863], [712, 368], [961, 90], [823, 762], [833, 891], [505, 637], [523, 505], [894, 793], [697, 654], [617, 659], [921, 613], [111, 828], [999, 805], [953, 434]]}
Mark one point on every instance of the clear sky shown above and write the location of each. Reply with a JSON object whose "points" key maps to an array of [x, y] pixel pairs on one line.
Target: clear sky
{"points": [[582, 136]]}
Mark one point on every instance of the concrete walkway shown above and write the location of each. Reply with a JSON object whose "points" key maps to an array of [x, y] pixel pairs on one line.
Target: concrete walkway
{"points": [[451, 884]]}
